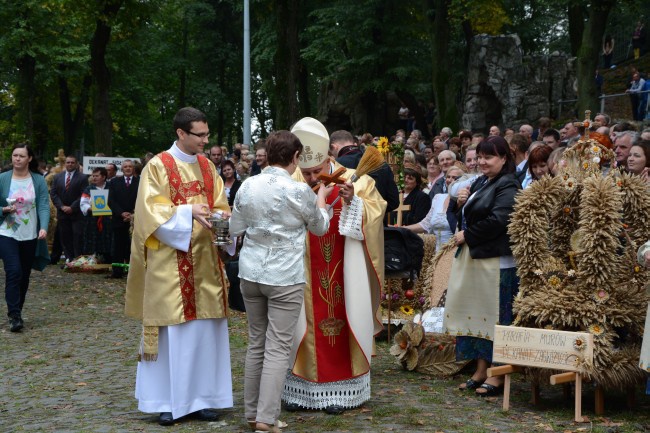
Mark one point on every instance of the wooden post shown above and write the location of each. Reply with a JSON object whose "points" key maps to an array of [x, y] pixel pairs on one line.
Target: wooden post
{"points": [[401, 208], [535, 393], [506, 371], [631, 400], [390, 298], [578, 401], [599, 400]]}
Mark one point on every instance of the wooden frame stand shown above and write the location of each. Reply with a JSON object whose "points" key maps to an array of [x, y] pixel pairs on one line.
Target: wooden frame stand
{"points": [[542, 348]]}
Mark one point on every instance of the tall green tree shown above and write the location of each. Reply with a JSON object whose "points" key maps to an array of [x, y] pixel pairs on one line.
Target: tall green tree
{"points": [[594, 30]]}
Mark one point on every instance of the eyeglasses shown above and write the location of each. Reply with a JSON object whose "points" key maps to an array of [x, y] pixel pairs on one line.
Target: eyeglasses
{"points": [[201, 135]]}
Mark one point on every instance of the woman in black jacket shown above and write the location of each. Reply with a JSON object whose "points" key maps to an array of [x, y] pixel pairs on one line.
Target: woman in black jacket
{"points": [[483, 280], [414, 197], [230, 182]]}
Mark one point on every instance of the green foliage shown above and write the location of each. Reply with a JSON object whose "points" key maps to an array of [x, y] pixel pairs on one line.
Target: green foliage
{"points": [[484, 16], [166, 53], [372, 45]]}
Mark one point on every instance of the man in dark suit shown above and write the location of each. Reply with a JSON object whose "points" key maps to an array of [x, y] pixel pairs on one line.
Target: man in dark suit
{"points": [[66, 191], [348, 154], [122, 194]]}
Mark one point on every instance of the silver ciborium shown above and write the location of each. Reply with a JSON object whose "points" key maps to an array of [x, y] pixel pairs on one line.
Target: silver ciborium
{"points": [[220, 228]]}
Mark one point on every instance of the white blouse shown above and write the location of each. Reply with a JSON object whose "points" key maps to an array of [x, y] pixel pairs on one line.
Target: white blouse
{"points": [[436, 221], [274, 212]]}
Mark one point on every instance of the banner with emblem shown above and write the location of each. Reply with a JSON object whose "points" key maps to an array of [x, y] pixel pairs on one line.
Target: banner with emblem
{"points": [[99, 202]]}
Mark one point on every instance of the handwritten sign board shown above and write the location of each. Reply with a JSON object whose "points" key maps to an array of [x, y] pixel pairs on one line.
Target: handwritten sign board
{"points": [[92, 162], [544, 348]]}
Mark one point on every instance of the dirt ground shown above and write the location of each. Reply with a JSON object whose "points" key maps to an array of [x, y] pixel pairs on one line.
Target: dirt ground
{"points": [[72, 369]]}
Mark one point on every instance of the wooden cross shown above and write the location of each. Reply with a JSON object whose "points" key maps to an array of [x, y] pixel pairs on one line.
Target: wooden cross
{"points": [[401, 208], [330, 178]]}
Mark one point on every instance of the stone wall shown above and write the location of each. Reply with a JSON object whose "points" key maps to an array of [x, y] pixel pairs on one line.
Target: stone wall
{"points": [[506, 88]]}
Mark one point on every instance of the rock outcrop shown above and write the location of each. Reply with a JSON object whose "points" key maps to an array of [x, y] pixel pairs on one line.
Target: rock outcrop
{"points": [[506, 88]]}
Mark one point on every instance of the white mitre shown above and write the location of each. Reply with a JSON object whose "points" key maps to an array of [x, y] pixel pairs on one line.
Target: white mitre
{"points": [[315, 140]]}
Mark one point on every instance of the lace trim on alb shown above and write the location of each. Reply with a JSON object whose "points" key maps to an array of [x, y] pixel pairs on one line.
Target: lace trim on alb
{"points": [[348, 393], [351, 220]]}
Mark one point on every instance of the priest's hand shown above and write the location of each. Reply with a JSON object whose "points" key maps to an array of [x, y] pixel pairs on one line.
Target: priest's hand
{"points": [[200, 212]]}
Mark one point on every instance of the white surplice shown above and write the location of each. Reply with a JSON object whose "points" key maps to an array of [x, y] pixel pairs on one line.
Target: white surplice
{"points": [[192, 371]]}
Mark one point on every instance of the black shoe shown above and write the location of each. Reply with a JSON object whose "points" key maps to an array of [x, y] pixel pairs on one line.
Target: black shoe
{"points": [[334, 410], [292, 407], [165, 418], [205, 415], [16, 324]]}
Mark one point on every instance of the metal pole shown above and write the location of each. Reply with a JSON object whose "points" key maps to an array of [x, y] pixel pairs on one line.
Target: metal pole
{"points": [[247, 75], [602, 103]]}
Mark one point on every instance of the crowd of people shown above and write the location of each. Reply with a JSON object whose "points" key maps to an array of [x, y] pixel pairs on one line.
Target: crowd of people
{"points": [[310, 337]]}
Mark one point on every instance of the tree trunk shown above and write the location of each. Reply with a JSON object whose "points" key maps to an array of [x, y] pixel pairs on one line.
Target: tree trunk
{"points": [[287, 63], [588, 55], [303, 91], [444, 90], [220, 114], [26, 95], [103, 123], [576, 24], [183, 72], [72, 124]]}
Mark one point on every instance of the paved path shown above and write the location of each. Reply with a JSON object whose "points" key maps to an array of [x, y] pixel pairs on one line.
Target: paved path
{"points": [[72, 369]]}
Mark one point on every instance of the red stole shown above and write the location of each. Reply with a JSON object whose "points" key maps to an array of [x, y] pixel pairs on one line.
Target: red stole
{"points": [[329, 324], [179, 192]]}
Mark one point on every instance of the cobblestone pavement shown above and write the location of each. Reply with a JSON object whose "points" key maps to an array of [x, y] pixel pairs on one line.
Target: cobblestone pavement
{"points": [[72, 369]]}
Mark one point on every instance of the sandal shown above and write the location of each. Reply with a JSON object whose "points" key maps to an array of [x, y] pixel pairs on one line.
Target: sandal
{"points": [[279, 424], [470, 384], [490, 390]]}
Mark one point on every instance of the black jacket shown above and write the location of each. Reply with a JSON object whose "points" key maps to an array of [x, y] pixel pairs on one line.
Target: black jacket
{"points": [[420, 204], [350, 156], [70, 197], [122, 198], [439, 187], [233, 192], [487, 216]]}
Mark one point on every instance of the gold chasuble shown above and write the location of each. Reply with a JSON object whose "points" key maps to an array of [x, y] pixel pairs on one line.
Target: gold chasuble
{"points": [[334, 340], [167, 286]]}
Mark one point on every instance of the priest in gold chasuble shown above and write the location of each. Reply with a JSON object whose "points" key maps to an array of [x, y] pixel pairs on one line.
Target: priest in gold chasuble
{"points": [[176, 281], [334, 337]]}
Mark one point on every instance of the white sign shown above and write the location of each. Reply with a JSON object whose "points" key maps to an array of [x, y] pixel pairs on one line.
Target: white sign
{"points": [[546, 348], [92, 162]]}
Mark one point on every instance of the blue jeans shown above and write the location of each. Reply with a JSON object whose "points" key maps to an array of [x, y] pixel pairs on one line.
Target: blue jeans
{"points": [[18, 257]]}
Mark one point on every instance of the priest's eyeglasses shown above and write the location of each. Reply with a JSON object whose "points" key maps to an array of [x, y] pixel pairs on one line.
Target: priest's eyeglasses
{"points": [[201, 135]]}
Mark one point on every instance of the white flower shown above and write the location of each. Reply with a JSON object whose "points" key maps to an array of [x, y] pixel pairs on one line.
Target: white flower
{"points": [[596, 159], [538, 272], [571, 273]]}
